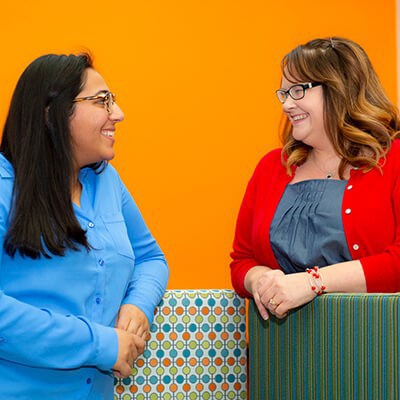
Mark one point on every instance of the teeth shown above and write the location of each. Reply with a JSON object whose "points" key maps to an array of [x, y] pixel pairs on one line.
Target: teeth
{"points": [[298, 117], [108, 133]]}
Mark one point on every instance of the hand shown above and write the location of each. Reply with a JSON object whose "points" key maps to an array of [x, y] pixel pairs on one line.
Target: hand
{"points": [[280, 293], [251, 283], [130, 346], [133, 320]]}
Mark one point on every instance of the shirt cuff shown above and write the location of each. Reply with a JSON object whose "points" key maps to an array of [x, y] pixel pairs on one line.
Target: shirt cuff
{"points": [[106, 347]]}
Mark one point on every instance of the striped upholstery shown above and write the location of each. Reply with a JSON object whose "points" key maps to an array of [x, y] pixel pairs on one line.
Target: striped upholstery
{"points": [[340, 346], [197, 350]]}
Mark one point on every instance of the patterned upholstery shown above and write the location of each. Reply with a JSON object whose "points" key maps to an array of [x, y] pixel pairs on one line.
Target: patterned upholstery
{"points": [[340, 346], [197, 350]]}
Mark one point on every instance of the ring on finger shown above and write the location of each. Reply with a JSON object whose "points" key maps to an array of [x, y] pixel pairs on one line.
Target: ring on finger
{"points": [[272, 302]]}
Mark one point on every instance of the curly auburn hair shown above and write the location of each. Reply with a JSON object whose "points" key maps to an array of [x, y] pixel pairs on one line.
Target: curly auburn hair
{"points": [[360, 121]]}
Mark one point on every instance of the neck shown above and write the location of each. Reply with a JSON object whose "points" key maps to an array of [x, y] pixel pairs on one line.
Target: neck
{"points": [[326, 161], [323, 154], [76, 190]]}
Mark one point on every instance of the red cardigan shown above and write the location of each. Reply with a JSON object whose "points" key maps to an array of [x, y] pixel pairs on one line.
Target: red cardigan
{"points": [[370, 213]]}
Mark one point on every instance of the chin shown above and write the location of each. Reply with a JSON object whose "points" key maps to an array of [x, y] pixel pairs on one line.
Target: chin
{"points": [[300, 138], [301, 135], [109, 157]]}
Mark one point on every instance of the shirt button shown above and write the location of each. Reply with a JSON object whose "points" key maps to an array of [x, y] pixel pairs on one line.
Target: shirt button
{"points": [[98, 300], [91, 225], [88, 381], [348, 211], [101, 262], [349, 187], [356, 246]]}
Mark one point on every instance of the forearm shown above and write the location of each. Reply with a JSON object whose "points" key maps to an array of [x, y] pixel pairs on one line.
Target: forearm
{"points": [[148, 286], [151, 273], [344, 277], [41, 338]]}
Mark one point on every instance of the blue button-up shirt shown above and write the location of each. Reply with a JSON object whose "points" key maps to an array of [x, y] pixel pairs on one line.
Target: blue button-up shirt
{"points": [[57, 339]]}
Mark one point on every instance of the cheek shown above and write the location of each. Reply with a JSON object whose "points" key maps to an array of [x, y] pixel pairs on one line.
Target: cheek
{"points": [[320, 113], [319, 105], [85, 127], [82, 133], [77, 123]]}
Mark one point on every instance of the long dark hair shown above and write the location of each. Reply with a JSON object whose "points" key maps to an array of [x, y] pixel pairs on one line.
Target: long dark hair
{"points": [[37, 142]]}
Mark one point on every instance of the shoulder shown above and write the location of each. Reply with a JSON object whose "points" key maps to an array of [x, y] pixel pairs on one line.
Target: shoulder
{"points": [[104, 189], [6, 188], [271, 162], [105, 183], [389, 166], [110, 173], [394, 148], [6, 169], [272, 156], [392, 159]]}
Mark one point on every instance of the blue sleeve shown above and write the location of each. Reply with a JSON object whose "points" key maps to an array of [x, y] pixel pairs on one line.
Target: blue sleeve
{"points": [[41, 338], [150, 274]]}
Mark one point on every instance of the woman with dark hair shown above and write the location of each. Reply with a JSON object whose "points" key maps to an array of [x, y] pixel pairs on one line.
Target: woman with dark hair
{"points": [[331, 196], [80, 272]]}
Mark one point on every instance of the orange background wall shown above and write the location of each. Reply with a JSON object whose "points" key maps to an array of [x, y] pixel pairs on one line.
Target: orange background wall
{"points": [[196, 80]]}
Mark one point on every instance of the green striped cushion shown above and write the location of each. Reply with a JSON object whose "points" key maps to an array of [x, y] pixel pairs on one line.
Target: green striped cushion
{"points": [[340, 346]]}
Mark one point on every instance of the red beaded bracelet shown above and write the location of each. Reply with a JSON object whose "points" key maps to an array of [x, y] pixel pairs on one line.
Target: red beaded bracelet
{"points": [[315, 279]]}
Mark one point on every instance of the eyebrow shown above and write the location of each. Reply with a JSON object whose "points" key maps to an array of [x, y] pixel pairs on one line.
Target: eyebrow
{"points": [[104, 91], [293, 84]]}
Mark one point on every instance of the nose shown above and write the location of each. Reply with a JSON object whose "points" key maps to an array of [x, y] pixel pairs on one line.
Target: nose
{"points": [[289, 104], [116, 114]]}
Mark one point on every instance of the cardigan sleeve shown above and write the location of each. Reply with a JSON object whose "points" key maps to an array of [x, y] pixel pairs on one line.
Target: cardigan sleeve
{"points": [[243, 253], [371, 219], [382, 270], [251, 242], [250, 245]]}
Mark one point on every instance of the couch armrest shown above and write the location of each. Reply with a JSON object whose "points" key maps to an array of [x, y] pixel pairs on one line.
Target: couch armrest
{"points": [[340, 346], [197, 350]]}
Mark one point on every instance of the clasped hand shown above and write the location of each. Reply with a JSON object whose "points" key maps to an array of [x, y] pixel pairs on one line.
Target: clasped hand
{"points": [[277, 293], [132, 329]]}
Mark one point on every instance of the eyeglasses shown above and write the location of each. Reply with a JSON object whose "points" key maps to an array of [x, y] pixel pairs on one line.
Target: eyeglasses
{"points": [[105, 98], [296, 92]]}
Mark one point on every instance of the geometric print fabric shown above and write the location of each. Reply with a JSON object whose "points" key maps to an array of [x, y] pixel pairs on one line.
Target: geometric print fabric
{"points": [[197, 350]]}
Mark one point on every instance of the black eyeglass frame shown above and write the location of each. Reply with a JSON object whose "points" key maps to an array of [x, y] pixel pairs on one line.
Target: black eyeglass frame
{"points": [[286, 93]]}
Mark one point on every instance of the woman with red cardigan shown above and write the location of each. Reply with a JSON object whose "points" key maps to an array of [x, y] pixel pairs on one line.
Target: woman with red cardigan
{"points": [[322, 214]]}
